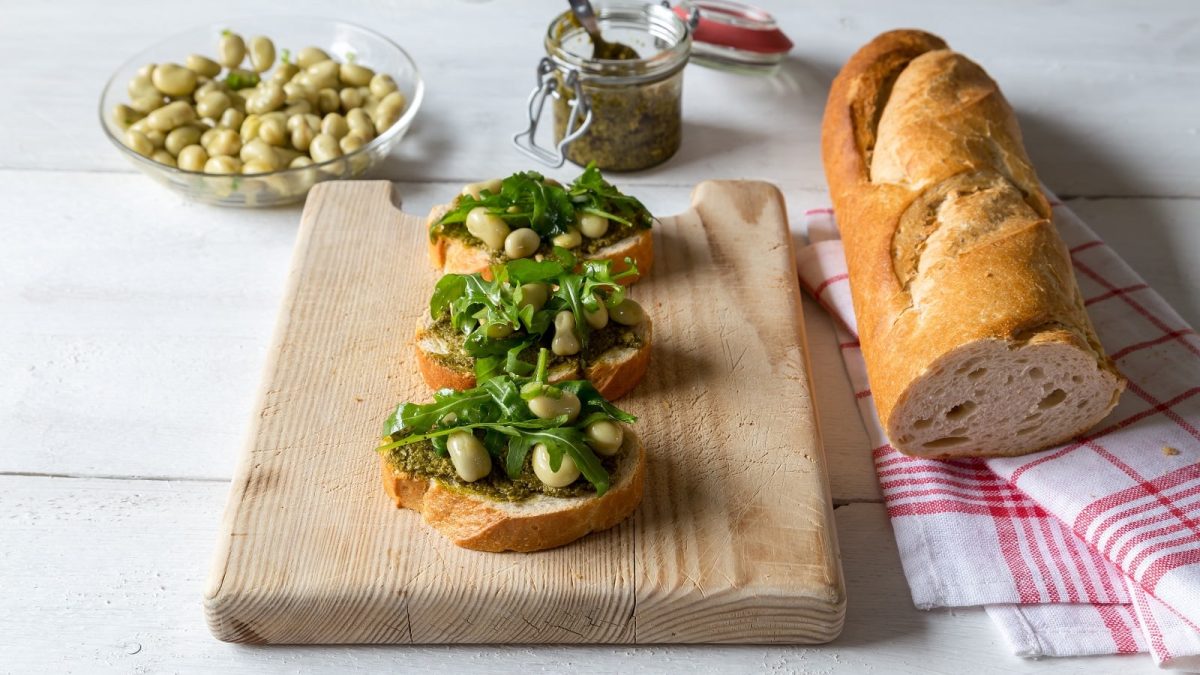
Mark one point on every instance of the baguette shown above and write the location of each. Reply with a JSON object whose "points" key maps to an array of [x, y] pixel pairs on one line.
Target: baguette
{"points": [[538, 523], [971, 323], [614, 373]]}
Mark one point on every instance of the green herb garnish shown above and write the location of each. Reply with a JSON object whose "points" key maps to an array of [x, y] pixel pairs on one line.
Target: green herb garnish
{"points": [[241, 79], [497, 324], [497, 412], [527, 199]]}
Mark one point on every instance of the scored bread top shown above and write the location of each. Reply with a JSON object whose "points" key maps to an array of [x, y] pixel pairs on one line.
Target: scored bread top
{"points": [[950, 243]]}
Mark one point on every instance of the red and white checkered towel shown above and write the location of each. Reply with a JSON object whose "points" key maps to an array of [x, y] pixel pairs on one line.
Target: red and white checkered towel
{"points": [[1092, 547]]}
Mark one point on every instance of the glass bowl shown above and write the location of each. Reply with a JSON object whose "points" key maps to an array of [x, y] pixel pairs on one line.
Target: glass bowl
{"points": [[293, 33]]}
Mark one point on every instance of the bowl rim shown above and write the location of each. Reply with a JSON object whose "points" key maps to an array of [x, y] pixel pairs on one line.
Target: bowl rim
{"points": [[396, 128]]}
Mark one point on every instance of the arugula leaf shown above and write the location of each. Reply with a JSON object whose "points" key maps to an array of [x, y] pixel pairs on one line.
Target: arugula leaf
{"points": [[509, 429], [448, 289], [518, 449], [527, 199], [592, 194], [591, 402], [571, 440]]}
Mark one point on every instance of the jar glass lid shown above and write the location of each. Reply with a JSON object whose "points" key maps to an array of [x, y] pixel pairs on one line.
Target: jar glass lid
{"points": [[732, 36]]}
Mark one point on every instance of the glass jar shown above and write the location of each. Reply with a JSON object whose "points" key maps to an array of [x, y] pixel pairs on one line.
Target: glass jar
{"points": [[624, 115]]}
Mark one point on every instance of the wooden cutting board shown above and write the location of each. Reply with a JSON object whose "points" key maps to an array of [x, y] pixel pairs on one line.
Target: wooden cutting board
{"points": [[733, 543]]}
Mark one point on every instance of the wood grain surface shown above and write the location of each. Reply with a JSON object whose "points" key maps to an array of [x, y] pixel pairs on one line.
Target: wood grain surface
{"points": [[733, 542]]}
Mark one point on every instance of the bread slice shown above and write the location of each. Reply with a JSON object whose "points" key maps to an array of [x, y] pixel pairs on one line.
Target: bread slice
{"points": [[972, 326], [541, 522], [455, 255], [614, 373]]}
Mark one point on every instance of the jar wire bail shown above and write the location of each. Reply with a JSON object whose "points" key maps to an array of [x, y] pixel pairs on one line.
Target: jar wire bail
{"points": [[577, 124]]}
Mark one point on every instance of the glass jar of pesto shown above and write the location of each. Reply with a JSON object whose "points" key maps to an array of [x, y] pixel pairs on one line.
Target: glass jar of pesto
{"points": [[624, 114]]}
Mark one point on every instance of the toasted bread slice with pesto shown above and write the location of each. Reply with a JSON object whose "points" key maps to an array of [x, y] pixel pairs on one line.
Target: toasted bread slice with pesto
{"points": [[615, 360], [474, 517], [527, 215]]}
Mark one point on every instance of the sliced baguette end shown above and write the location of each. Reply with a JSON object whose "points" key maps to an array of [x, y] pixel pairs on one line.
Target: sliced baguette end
{"points": [[991, 399]]}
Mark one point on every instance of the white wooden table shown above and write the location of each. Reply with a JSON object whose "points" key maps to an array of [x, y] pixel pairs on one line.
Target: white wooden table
{"points": [[133, 324]]}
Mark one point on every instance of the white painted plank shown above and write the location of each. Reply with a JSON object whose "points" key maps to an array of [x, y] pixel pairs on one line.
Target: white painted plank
{"points": [[110, 574], [1107, 97]]}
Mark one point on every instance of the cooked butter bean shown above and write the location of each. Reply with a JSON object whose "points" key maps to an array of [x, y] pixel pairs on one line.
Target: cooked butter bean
{"points": [[273, 130], [262, 53], [163, 157], [566, 339], [534, 294], [202, 65], [123, 115], [173, 79], [350, 143], [259, 151], [498, 331], [476, 189], [323, 75], [360, 123], [254, 166], [285, 72], [223, 165], [301, 107], [232, 119], [268, 98], [324, 148], [355, 75], [157, 138], [146, 104], [335, 125], [328, 101], [389, 111], [593, 226], [487, 226], [547, 407], [300, 161], [381, 85], [180, 138], [192, 158], [628, 313], [569, 239], [310, 56], [224, 142], [171, 115], [302, 137], [231, 50], [250, 127], [350, 98], [141, 85], [605, 437], [213, 104], [521, 243], [470, 459], [567, 472], [138, 142], [599, 318]]}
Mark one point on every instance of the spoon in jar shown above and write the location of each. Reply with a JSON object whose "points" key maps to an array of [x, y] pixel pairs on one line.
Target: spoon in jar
{"points": [[601, 48]]}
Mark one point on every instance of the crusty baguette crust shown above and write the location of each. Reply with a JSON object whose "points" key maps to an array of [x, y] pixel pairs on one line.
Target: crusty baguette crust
{"points": [[474, 522], [614, 374], [452, 255], [950, 245]]}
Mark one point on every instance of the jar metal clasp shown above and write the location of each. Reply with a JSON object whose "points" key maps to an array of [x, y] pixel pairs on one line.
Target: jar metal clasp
{"points": [[577, 122]]}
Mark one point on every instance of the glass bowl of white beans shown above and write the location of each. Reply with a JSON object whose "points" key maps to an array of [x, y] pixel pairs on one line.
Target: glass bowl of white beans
{"points": [[254, 112]]}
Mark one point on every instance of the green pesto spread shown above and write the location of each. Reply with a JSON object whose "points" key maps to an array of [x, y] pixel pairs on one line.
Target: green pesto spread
{"points": [[421, 459], [599, 341], [616, 232], [634, 126]]}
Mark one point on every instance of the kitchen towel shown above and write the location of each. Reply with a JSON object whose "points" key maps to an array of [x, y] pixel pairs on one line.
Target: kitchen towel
{"points": [[1092, 547]]}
